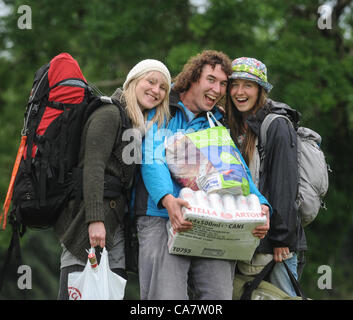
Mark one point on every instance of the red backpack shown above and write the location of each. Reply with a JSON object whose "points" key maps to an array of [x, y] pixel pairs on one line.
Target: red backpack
{"points": [[45, 174]]}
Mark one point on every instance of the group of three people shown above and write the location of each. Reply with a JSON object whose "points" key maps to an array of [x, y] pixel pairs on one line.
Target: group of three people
{"points": [[153, 103]]}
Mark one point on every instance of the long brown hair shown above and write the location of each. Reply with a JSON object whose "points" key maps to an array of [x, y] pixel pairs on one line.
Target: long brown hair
{"points": [[236, 123]]}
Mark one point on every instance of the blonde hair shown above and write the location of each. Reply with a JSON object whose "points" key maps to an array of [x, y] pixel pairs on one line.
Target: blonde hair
{"points": [[237, 125], [139, 117]]}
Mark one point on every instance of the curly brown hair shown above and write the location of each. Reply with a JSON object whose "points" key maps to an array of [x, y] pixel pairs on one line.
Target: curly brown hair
{"points": [[193, 68]]}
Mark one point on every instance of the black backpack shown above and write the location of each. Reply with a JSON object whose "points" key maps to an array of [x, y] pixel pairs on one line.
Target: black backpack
{"points": [[45, 175]]}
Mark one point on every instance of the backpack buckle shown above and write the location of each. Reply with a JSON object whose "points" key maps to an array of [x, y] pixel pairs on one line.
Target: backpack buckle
{"points": [[106, 99]]}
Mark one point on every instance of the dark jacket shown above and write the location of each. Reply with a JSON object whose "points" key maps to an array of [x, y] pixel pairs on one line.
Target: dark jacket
{"points": [[100, 154], [279, 180]]}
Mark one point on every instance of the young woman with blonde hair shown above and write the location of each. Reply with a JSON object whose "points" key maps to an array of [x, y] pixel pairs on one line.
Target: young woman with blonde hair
{"points": [[146, 71], [99, 220]]}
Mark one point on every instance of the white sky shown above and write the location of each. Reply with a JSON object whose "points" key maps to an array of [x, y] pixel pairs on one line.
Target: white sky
{"points": [[3, 9], [201, 4]]}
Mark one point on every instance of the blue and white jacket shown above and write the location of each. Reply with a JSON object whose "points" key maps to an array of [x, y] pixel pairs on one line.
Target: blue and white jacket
{"points": [[156, 179]]}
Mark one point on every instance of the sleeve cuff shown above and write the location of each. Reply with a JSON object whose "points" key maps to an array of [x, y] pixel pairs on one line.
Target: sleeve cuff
{"points": [[94, 211]]}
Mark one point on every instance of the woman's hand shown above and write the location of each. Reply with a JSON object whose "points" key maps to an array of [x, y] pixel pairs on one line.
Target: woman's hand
{"points": [[280, 254], [96, 232]]}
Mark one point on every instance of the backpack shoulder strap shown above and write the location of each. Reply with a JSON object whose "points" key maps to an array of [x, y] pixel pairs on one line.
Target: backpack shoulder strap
{"points": [[266, 124], [251, 285], [125, 120], [263, 134], [295, 283], [97, 102]]}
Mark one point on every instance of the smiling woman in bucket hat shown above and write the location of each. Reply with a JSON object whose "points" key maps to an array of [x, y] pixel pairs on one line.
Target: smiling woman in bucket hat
{"points": [[246, 107]]}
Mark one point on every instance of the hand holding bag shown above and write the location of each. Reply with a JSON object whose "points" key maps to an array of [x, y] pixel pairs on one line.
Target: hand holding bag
{"points": [[96, 284]]}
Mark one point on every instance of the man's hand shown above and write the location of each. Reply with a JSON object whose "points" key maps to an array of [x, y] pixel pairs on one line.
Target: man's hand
{"points": [[96, 232], [174, 206], [261, 231]]}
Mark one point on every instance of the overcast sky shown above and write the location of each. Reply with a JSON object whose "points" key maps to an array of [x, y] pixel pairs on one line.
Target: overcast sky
{"points": [[3, 9]]}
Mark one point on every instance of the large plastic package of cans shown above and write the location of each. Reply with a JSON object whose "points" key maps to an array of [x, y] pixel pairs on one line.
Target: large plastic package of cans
{"points": [[206, 160], [222, 226]]}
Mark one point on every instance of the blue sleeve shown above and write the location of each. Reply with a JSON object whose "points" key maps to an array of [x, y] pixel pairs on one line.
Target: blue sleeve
{"points": [[154, 168], [253, 188]]}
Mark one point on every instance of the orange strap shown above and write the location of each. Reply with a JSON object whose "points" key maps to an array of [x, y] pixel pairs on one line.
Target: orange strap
{"points": [[7, 202]]}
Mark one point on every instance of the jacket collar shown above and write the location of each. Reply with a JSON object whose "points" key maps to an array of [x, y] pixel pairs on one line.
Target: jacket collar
{"points": [[255, 120]]}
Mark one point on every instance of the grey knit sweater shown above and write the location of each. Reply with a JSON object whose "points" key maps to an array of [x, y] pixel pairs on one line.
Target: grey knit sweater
{"points": [[97, 157]]}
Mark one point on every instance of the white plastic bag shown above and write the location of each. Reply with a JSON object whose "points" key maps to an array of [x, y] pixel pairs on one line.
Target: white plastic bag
{"points": [[99, 284]]}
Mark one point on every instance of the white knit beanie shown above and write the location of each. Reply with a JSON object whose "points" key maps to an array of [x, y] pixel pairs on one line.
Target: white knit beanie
{"points": [[146, 66]]}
